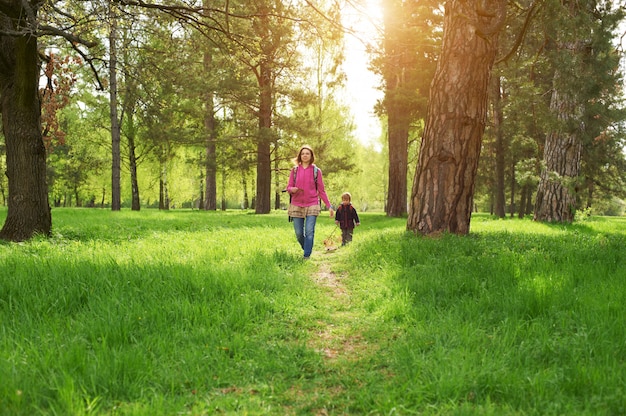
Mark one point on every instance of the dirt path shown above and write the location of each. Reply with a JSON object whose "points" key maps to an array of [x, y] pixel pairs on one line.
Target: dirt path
{"points": [[338, 337]]}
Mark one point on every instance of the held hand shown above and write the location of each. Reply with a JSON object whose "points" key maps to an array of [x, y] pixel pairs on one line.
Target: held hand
{"points": [[332, 213]]}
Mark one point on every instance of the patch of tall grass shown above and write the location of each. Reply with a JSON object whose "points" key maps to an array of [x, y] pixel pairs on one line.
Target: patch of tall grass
{"points": [[517, 318], [188, 312], [118, 310]]}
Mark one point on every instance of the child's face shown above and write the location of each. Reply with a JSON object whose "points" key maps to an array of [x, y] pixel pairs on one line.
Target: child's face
{"points": [[345, 201]]}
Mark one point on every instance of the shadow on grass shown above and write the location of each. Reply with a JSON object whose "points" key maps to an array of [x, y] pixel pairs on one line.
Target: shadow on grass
{"points": [[526, 317]]}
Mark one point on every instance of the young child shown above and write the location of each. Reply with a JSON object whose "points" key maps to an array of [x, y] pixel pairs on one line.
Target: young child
{"points": [[346, 218]]}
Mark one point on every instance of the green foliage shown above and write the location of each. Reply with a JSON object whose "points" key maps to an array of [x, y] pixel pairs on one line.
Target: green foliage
{"points": [[570, 48], [193, 312]]}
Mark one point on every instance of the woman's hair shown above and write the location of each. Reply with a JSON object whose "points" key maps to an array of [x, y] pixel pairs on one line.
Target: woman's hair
{"points": [[346, 195], [298, 159]]}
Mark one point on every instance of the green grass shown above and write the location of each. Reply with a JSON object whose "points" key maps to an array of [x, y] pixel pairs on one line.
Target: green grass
{"points": [[187, 312]]}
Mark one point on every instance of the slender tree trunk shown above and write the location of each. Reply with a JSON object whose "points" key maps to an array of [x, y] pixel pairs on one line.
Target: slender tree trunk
{"points": [[398, 136], [223, 193], [129, 111], [210, 202], [277, 186], [244, 183], [513, 191], [498, 117], [210, 195], [443, 188], [398, 116], [28, 207], [164, 197], [115, 124], [522, 204], [264, 174], [590, 189], [134, 183], [79, 203], [201, 198], [265, 80]]}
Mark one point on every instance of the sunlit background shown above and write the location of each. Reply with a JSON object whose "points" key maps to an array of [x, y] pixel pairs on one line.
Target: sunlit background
{"points": [[362, 90]]}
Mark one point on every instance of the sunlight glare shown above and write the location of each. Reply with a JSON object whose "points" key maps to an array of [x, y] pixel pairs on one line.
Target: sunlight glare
{"points": [[363, 18]]}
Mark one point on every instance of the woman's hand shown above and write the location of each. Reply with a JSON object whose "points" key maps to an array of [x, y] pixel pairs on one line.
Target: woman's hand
{"points": [[331, 212]]}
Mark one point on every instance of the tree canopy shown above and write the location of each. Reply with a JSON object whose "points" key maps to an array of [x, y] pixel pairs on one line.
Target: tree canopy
{"points": [[204, 104]]}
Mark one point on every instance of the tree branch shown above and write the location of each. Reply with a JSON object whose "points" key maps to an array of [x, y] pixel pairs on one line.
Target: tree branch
{"points": [[521, 35], [45, 30]]}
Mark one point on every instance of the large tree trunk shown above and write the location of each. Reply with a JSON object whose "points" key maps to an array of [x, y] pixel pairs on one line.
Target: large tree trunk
{"points": [[28, 207], [443, 188], [556, 196]]}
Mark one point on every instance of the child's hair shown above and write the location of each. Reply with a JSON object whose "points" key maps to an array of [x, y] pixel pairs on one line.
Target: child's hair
{"points": [[346, 195]]}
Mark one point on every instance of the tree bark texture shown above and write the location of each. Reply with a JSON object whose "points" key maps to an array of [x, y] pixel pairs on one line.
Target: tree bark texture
{"points": [[556, 196], [443, 187], [397, 107], [28, 207], [398, 136], [265, 82]]}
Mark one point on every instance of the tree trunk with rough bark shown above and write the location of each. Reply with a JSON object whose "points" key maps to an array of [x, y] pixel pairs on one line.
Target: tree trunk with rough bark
{"points": [[28, 207], [443, 187], [556, 195]]}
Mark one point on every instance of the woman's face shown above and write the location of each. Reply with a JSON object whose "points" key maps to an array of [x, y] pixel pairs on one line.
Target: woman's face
{"points": [[305, 155]]}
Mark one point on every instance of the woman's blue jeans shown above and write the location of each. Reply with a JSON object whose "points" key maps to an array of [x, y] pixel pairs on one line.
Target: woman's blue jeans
{"points": [[305, 232]]}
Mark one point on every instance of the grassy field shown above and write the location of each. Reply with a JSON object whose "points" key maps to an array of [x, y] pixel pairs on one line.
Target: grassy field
{"points": [[199, 313]]}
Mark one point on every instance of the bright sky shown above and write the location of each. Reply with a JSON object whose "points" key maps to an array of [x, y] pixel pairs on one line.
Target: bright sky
{"points": [[361, 84]]}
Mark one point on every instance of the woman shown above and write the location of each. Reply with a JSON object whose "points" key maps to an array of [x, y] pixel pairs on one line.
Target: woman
{"points": [[306, 187]]}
